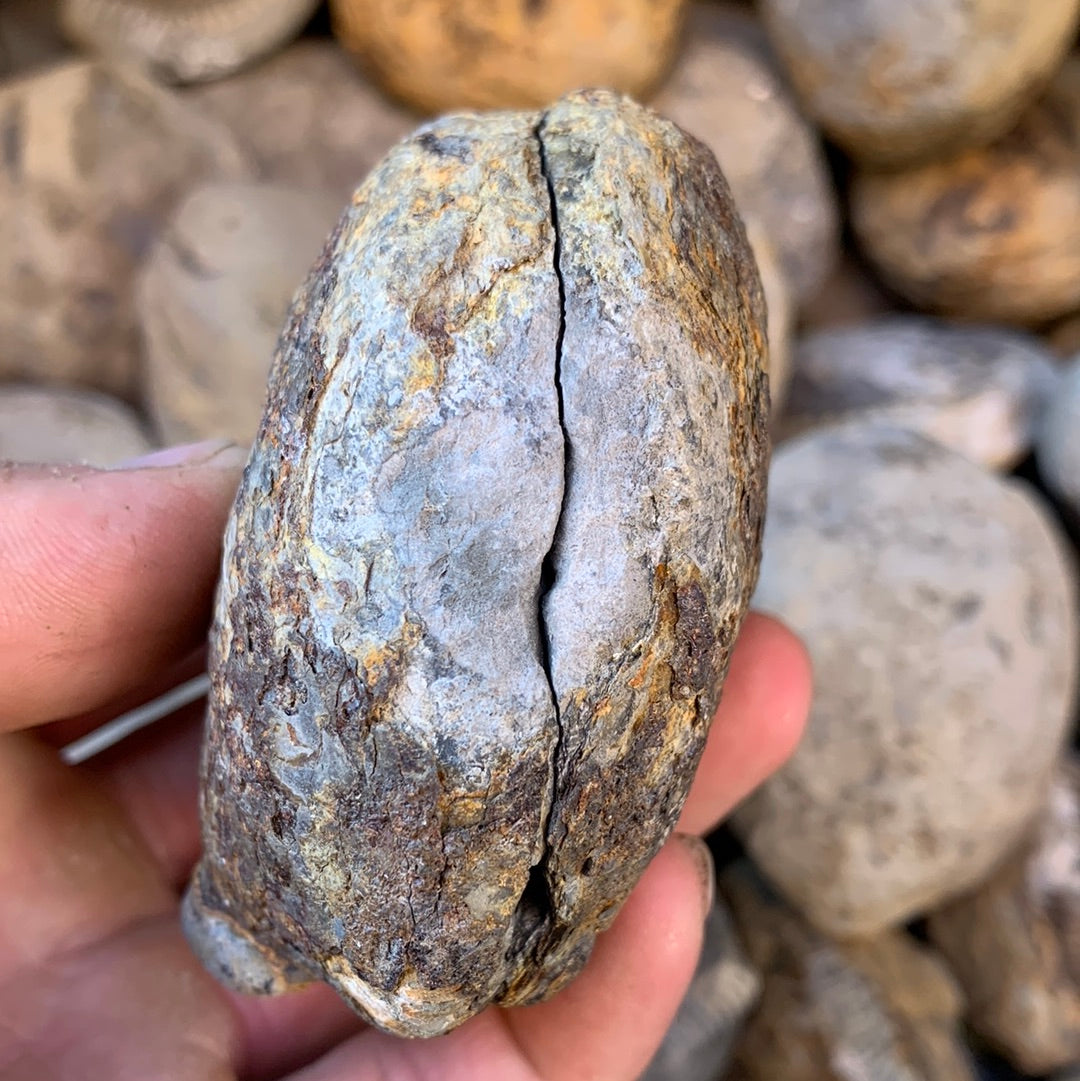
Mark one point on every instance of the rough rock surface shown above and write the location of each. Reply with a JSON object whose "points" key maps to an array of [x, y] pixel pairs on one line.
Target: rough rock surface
{"points": [[1014, 942], [448, 54], [212, 298], [726, 90], [940, 613], [185, 40], [472, 621], [724, 990], [894, 82], [308, 118], [1058, 446], [94, 160], [992, 233], [979, 390], [56, 424], [881, 1010]]}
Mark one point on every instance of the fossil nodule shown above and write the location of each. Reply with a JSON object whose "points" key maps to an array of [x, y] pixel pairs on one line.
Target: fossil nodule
{"points": [[486, 566]]}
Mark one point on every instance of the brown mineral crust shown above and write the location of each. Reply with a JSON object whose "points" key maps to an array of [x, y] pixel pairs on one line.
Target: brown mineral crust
{"points": [[448, 54], [992, 233], [462, 672]]}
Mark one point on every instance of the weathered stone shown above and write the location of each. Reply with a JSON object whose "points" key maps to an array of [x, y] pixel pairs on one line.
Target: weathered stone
{"points": [[1058, 445], [94, 161], [473, 620], [940, 613], [185, 40], [212, 298], [727, 91], [1014, 941], [308, 118], [861, 1011], [725, 989], [444, 54], [29, 36], [988, 234], [895, 83], [978, 390], [56, 424], [778, 304]]}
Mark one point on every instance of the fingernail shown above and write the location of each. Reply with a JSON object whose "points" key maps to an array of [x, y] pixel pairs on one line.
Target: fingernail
{"points": [[706, 868], [221, 452]]}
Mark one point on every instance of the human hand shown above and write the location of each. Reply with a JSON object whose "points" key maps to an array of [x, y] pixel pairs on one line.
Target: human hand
{"points": [[106, 580]]}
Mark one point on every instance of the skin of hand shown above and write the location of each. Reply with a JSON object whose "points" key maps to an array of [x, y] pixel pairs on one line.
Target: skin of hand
{"points": [[106, 582]]}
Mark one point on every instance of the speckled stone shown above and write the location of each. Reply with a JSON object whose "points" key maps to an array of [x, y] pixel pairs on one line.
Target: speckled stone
{"points": [[991, 233], [307, 117], [57, 424], [449, 54], [885, 1009], [472, 623], [1058, 446], [1014, 942], [939, 608], [727, 91], [212, 298], [894, 82], [725, 989], [184, 40], [96, 159], [978, 390]]}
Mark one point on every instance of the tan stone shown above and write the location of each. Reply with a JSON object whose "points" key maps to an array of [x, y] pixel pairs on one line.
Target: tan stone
{"points": [[991, 233], [439, 55]]}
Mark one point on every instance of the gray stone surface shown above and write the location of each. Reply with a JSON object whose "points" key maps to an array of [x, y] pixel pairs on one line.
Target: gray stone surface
{"points": [[938, 604], [895, 82], [307, 117], [185, 40], [1058, 448], [979, 390], [212, 298], [56, 424], [725, 989], [726, 89], [1014, 941], [884, 1009], [97, 158], [473, 622]]}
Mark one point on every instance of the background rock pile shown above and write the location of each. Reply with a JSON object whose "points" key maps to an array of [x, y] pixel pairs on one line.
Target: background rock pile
{"points": [[902, 901]]}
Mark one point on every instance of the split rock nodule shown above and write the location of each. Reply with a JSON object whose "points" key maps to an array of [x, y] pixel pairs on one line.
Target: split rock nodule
{"points": [[486, 566]]}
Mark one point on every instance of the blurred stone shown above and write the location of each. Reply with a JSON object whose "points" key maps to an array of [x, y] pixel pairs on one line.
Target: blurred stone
{"points": [[978, 390], [987, 234], [894, 82], [880, 1010], [727, 91], [442, 55], [29, 36], [212, 300], [56, 424], [1058, 448], [780, 314], [95, 160], [850, 294], [184, 41], [939, 609], [308, 118], [1014, 941], [725, 989]]}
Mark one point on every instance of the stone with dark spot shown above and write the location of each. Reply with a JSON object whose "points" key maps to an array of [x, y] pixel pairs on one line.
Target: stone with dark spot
{"points": [[486, 567], [939, 607]]}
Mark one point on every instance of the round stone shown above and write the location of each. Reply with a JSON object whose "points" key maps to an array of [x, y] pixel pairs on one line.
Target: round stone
{"points": [[895, 82], [940, 613]]}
